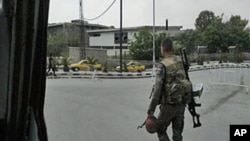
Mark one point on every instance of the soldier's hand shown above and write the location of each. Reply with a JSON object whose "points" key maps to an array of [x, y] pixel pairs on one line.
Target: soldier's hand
{"points": [[150, 112]]}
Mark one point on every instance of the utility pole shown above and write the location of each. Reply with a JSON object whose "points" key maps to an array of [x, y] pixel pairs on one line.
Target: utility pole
{"points": [[82, 34], [120, 36], [153, 73]]}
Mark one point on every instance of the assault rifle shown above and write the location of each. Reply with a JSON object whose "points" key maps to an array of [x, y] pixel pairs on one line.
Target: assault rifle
{"points": [[192, 104]]}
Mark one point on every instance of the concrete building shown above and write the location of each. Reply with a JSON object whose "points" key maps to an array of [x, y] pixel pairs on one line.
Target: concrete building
{"points": [[109, 38], [74, 27], [100, 37], [73, 30]]}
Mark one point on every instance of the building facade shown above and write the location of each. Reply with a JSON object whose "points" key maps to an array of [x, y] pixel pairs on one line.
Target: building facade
{"points": [[103, 37], [109, 38], [73, 30], [74, 36]]}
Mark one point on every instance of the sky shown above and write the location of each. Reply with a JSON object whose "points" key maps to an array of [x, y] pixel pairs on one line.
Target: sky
{"points": [[140, 12]]}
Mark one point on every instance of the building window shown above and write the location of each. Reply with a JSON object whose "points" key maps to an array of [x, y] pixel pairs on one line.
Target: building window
{"points": [[95, 35], [117, 37]]}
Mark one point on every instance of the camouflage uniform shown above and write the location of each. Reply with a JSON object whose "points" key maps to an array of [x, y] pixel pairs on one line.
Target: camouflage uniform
{"points": [[171, 110]]}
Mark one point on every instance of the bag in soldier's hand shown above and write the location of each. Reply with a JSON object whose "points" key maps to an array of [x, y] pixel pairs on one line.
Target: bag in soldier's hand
{"points": [[150, 124]]}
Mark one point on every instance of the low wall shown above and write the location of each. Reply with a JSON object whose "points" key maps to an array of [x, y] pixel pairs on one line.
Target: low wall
{"points": [[215, 56], [116, 62], [99, 54], [246, 56]]}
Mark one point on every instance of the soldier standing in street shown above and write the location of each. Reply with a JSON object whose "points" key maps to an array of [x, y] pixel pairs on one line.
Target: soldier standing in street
{"points": [[172, 91]]}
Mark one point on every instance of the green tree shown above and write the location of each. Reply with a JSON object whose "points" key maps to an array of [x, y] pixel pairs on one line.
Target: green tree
{"points": [[58, 43], [176, 48], [203, 20], [192, 38], [236, 21], [73, 41], [247, 46], [141, 48], [236, 34], [188, 39], [55, 43], [214, 35], [218, 35]]}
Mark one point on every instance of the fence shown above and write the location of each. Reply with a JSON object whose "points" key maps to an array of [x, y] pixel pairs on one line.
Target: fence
{"points": [[230, 74]]}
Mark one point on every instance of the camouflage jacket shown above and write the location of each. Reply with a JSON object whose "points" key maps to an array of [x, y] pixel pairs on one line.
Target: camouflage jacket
{"points": [[168, 71]]}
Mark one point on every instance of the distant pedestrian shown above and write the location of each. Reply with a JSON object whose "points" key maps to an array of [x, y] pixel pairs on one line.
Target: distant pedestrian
{"points": [[52, 65]]}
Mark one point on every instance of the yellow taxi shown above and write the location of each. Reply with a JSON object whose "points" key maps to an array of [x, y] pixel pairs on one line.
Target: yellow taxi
{"points": [[132, 66], [84, 65]]}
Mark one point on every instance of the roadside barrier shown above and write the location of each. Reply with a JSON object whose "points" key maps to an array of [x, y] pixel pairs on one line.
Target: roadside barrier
{"points": [[230, 74]]}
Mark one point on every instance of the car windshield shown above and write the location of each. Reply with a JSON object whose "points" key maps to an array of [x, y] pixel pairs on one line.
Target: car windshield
{"points": [[132, 63], [83, 62], [138, 64]]}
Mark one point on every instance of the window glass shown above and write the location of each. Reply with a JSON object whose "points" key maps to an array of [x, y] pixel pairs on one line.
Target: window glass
{"points": [[1, 5]]}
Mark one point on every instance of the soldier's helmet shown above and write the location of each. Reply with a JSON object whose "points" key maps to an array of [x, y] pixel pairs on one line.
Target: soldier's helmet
{"points": [[151, 124]]}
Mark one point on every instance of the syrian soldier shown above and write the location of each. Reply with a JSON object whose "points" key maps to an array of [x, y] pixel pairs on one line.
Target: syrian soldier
{"points": [[172, 91]]}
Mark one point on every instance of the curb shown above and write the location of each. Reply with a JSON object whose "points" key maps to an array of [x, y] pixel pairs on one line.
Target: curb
{"points": [[115, 75], [89, 75]]}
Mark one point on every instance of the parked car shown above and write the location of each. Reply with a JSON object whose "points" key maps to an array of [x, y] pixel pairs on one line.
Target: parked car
{"points": [[132, 66], [84, 65]]}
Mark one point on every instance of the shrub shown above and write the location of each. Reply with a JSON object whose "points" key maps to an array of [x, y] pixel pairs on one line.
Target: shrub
{"points": [[105, 67], [223, 58], [65, 62], [192, 58], [236, 57], [200, 59]]}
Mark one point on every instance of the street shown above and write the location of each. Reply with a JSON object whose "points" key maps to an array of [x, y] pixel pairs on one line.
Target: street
{"points": [[111, 109]]}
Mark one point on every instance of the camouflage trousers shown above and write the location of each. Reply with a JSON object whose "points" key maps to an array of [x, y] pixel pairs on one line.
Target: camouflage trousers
{"points": [[170, 114]]}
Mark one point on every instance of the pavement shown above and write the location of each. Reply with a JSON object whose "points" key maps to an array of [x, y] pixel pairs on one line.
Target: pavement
{"points": [[146, 74], [111, 109]]}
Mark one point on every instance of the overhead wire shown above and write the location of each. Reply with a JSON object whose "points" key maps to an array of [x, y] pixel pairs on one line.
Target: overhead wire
{"points": [[88, 19]]}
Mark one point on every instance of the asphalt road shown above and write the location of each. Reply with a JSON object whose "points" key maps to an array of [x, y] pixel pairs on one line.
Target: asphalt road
{"points": [[111, 110]]}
